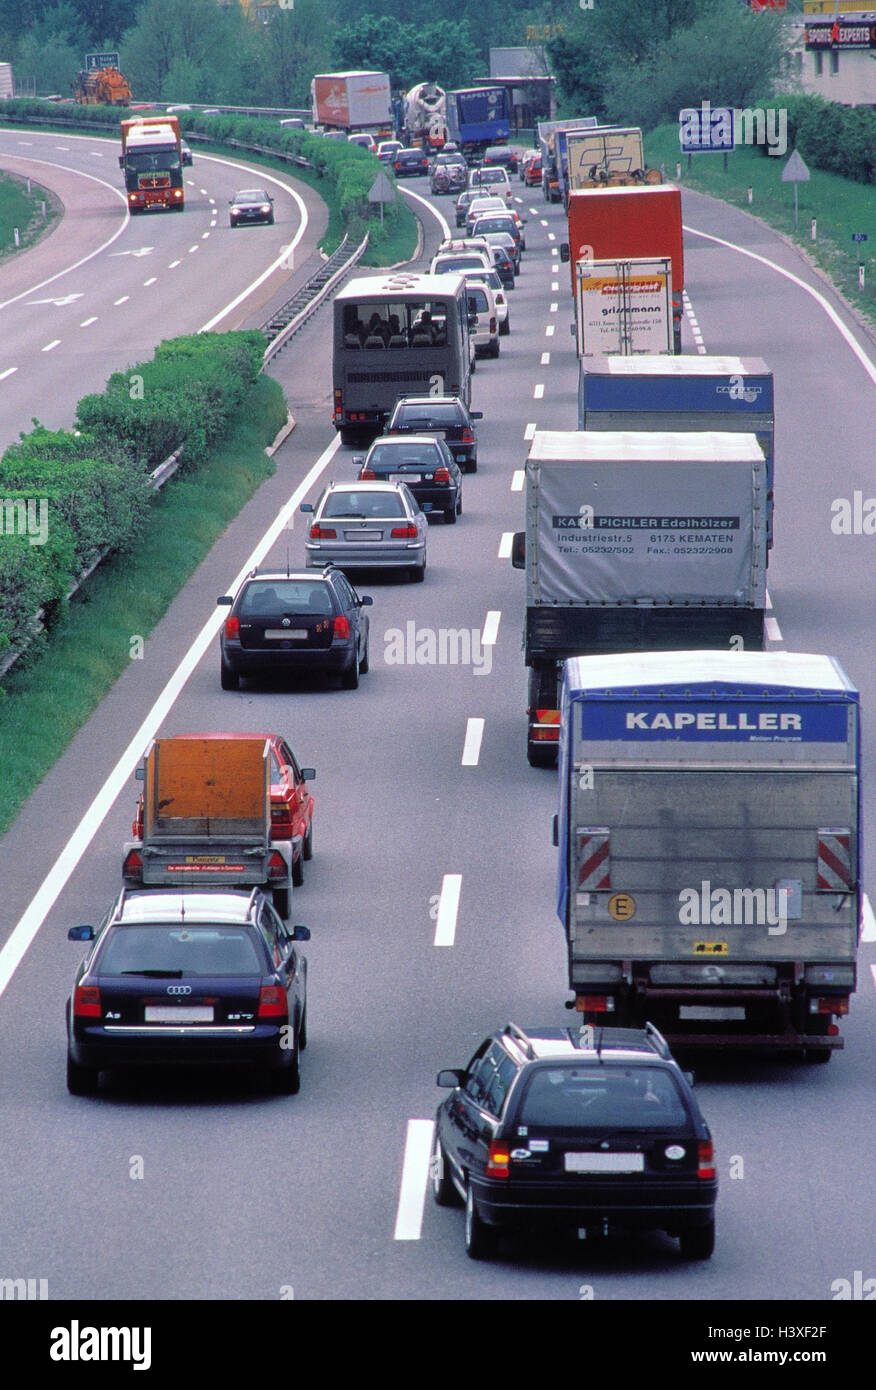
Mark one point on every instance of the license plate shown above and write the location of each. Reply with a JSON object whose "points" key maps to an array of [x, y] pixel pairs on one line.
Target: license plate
{"points": [[605, 1163], [279, 634], [363, 535], [706, 1012], [405, 478], [210, 868], [460, 458], [187, 1013]]}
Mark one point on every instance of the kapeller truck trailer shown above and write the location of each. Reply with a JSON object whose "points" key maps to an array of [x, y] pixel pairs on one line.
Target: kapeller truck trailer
{"points": [[709, 834]]}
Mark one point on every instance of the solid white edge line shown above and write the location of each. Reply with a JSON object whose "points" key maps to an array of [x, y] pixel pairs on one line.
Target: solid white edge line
{"points": [[426, 204], [491, 628], [448, 909], [471, 748], [868, 924], [873, 973], [414, 1180], [834, 317], [518, 478], [505, 541], [55, 880], [53, 164]]}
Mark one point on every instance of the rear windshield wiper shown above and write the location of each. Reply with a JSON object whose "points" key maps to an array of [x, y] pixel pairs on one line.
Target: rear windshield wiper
{"points": [[156, 974]]}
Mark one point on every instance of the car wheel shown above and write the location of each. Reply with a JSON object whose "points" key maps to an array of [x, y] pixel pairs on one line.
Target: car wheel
{"points": [[472, 466], [450, 515], [418, 574], [281, 901], [349, 437], [505, 328], [228, 679], [307, 848], [480, 1239], [818, 1054], [271, 220], [443, 1191], [287, 1078], [350, 677], [494, 348], [81, 1081], [298, 870], [698, 1242], [364, 663], [459, 502], [302, 1030]]}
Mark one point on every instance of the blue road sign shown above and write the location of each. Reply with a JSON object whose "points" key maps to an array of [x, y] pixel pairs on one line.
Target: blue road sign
{"points": [[703, 129]]}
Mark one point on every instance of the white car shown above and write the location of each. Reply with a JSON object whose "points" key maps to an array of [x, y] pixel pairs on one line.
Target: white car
{"points": [[491, 179], [491, 278], [485, 329], [457, 262]]}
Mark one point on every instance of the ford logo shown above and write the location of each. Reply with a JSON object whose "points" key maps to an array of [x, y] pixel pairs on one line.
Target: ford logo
{"points": [[179, 989]]}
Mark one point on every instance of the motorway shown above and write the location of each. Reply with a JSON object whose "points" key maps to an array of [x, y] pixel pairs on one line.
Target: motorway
{"points": [[244, 1195]]}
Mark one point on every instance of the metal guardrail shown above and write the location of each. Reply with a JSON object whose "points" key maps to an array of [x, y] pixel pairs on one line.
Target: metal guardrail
{"points": [[286, 321]]}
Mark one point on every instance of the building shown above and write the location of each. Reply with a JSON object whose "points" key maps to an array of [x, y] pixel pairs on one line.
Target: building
{"points": [[832, 51]]}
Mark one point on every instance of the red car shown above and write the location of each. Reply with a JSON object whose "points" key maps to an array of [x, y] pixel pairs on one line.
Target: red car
{"points": [[291, 801], [532, 173]]}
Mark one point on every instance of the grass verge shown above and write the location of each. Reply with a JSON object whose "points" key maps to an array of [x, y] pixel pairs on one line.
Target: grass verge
{"points": [[23, 210], [45, 703], [840, 206]]}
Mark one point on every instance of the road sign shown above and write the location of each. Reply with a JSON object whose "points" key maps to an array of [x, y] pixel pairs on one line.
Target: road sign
{"points": [[795, 171], [95, 61], [859, 236], [381, 190], [705, 128]]}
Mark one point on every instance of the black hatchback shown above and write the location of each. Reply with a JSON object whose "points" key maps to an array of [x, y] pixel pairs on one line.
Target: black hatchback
{"points": [[591, 1128], [424, 463], [446, 416], [410, 163], [295, 622]]}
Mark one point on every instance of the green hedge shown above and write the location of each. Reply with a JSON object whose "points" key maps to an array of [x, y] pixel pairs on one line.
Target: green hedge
{"points": [[839, 139], [94, 482]]}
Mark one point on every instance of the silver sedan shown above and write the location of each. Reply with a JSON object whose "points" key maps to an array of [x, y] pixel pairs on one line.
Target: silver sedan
{"points": [[367, 526]]}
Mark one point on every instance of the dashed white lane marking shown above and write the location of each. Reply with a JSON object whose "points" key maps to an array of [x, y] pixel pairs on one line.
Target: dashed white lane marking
{"points": [[448, 910], [491, 628], [471, 748], [518, 478], [545, 359], [551, 236], [555, 285], [86, 323], [868, 925], [10, 370], [414, 1180], [544, 221], [193, 248], [204, 234], [554, 306], [530, 430], [53, 344], [533, 212], [772, 629], [549, 331], [151, 281], [538, 391], [173, 265], [124, 299], [694, 326], [504, 543]]}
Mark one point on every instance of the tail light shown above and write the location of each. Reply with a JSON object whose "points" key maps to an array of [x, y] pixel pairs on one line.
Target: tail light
{"points": [[273, 1002], [705, 1160], [404, 533], [467, 436], [281, 823], [594, 1004], [367, 473], [341, 627], [492, 325], [442, 475], [232, 627], [137, 827], [323, 533], [339, 403], [132, 869], [840, 1007], [86, 1001], [499, 1159], [277, 866], [546, 726]]}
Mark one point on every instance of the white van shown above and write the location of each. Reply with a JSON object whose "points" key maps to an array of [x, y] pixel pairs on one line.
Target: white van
{"points": [[485, 332], [494, 181]]}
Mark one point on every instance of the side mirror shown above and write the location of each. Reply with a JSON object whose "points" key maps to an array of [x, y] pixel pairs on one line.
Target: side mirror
{"points": [[80, 934], [307, 506], [225, 600], [564, 251], [449, 1078], [140, 775], [518, 550], [690, 1078], [358, 460], [365, 601], [300, 933], [121, 161], [308, 774]]}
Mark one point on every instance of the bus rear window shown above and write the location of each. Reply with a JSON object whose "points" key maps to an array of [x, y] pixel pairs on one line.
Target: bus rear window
{"points": [[414, 323]]}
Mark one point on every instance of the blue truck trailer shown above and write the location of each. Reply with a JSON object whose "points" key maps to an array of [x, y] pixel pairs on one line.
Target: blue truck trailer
{"points": [[478, 117], [709, 834], [681, 393]]}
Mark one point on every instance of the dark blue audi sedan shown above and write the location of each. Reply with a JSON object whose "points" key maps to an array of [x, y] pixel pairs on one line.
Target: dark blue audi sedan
{"points": [[203, 977]]}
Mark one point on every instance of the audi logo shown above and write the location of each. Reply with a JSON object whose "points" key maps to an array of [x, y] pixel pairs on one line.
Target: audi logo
{"points": [[179, 989]]}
